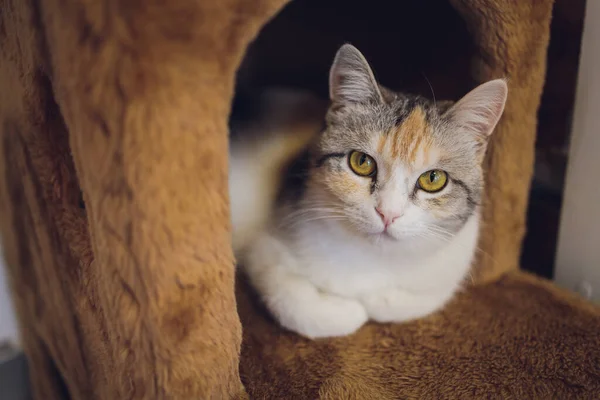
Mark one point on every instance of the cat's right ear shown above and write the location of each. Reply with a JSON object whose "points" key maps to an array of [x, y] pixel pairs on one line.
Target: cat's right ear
{"points": [[480, 109], [351, 79]]}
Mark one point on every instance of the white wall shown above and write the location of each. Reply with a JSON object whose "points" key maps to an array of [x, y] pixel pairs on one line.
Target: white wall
{"points": [[578, 255], [8, 323]]}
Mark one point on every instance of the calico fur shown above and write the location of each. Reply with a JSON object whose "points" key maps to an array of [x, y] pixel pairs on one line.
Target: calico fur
{"points": [[328, 249]]}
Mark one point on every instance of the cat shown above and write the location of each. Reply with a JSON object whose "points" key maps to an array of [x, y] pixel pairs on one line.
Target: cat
{"points": [[378, 215]]}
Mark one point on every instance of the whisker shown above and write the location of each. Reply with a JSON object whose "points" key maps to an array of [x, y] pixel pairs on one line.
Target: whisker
{"points": [[430, 87], [318, 218]]}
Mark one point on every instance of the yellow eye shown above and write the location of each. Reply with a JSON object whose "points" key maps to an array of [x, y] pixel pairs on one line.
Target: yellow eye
{"points": [[433, 181], [362, 164]]}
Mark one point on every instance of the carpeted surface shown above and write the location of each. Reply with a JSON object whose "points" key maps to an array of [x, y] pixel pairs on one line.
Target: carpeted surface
{"points": [[517, 338]]}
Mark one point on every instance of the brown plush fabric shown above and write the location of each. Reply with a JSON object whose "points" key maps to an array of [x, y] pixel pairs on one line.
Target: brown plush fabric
{"points": [[517, 338], [511, 39], [133, 295], [132, 298]]}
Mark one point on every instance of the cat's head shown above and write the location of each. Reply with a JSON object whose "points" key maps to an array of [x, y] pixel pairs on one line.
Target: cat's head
{"points": [[398, 166]]}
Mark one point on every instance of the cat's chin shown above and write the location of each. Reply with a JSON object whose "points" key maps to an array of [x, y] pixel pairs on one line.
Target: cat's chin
{"points": [[382, 236], [389, 240], [405, 242]]}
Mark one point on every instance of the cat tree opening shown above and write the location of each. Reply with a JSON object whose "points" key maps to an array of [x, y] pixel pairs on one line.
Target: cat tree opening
{"points": [[422, 47]]}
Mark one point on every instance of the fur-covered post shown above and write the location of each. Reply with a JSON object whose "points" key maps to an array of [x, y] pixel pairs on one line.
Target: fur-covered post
{"points": [[511, 42], [132, 297]]}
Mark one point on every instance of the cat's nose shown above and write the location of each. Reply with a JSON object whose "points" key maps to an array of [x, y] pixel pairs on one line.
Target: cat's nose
{"points": [[388, 217]]}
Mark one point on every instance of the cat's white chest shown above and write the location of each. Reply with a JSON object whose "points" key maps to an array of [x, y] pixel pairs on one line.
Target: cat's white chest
{"points": [[349, 271], [352, 268]]}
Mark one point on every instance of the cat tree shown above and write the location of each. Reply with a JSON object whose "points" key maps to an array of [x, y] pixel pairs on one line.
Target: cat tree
{"points": [[129, 292]]}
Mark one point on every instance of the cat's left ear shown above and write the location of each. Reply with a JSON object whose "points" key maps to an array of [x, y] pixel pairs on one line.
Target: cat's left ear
{"points": [[480, 110], [351, 79]]}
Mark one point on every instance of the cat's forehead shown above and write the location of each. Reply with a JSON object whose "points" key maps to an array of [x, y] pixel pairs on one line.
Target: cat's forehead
{"points": [[410, 141], [400, 133]]}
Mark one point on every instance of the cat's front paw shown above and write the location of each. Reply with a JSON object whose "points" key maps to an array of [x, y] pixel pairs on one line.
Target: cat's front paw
{"points": [[321, 315], [330, 316], [396, 305]]}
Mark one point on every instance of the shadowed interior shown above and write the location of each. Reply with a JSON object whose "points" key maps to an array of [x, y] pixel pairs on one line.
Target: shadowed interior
{"points": [[422, 47]]}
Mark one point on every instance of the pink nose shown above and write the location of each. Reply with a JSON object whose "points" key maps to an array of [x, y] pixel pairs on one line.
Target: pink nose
{"points": [[387, 216]]}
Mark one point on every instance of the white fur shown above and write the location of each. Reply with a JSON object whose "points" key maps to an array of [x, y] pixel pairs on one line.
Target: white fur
{"points": [[258, 156], [251, 192], [321, 279], [324, 281]]}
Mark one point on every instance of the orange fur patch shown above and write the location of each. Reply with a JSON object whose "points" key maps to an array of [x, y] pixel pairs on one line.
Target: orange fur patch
{"points": [[344, 185], [411, 137]]}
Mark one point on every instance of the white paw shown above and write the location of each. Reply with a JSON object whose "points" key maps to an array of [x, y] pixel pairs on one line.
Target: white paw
{"points": [[395, 305], [293, 300], [329, 316], [310, 313]]}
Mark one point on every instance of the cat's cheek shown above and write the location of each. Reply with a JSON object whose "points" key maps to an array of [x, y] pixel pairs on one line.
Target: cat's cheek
{"points": [[434, 207], [350, 189], [412, 225], [414, 216]]}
